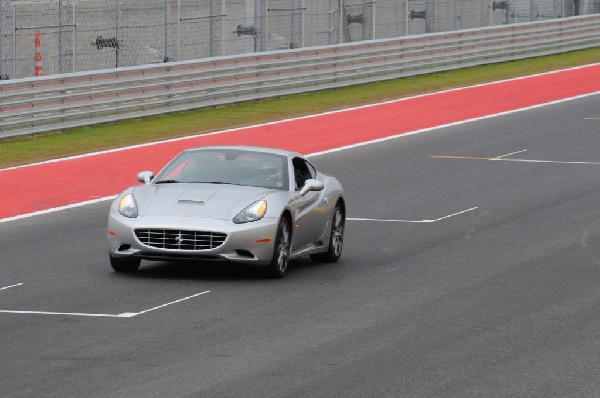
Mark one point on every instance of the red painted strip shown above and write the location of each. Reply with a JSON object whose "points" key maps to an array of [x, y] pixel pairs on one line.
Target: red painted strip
{"points": [[50, 185]]}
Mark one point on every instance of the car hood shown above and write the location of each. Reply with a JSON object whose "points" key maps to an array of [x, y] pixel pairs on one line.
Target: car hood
{"points": [[196, 200]]}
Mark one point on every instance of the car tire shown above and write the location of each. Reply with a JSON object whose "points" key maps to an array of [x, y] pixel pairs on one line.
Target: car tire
{"points": [[281, 252], [336, 239], [125, 264]]}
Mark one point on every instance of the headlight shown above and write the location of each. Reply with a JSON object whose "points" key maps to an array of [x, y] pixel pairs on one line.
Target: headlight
{"points": [[254, 212], [128, 206]]}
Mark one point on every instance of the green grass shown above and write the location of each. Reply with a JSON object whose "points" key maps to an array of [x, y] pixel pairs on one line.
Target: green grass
{"points": [[23, 150]]}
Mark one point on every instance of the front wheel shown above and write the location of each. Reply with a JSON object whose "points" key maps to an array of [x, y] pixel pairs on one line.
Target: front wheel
{"points": [[125, 264], [281, 253], [336, 239]]}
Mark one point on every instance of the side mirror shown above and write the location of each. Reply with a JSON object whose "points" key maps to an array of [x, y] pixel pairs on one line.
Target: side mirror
{"points": [[146, 177], [311, 185]]}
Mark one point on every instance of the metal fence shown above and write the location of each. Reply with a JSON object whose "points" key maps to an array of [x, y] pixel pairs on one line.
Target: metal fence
{"points": [[84, 35], [48, 103]]}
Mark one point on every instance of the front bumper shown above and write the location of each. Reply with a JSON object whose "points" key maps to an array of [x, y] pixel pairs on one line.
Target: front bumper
{"points": [[251, 242]]}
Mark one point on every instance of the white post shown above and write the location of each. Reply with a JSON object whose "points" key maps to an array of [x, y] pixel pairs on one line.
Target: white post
{"points": [[341, 21], [2, 66], [223, 27], [178, 30], [14, 40], [266, 25], [374, 7], [407, 29], [302, 16], [74, 60]]}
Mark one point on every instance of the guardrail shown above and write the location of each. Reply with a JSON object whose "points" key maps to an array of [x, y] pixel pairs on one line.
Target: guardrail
{"points": [[33, 105]]}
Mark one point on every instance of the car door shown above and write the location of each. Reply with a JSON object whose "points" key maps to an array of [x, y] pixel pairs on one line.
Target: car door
{"points": [[308, 224]]}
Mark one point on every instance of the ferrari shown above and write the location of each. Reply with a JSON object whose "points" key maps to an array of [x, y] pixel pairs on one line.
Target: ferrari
{"points": [[252, 205]]}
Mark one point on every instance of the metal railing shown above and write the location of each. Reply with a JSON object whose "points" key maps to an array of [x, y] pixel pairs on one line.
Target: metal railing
{"points": [[56, 102]]}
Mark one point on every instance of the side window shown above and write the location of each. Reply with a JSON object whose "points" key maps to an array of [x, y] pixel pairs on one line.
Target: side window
{"points": [[311, 170], [302, 171]]}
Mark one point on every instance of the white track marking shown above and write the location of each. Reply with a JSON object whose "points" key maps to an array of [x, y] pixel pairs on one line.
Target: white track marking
{"points": [[8, 287], [315, 115], [172, 302], [513, 160], [342, 148], [61, 313], [55, 209], [510, 154], [415, 221], [83, 314]]}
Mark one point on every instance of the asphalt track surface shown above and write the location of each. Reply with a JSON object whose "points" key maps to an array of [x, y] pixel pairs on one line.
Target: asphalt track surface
{"points": [[502, 300]]}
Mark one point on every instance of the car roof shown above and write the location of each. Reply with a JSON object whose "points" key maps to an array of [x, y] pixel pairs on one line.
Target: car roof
{"points": [[274, 151]]}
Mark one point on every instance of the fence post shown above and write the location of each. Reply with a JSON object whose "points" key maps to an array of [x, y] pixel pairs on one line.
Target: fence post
{"points": [[178, 30], [2, 65], [331, 32], [118, 32], [341, 10], [14, 40], [168, 31], [213, 27], [266, 26], [293, 23], [257, 25], [61, 36], [373, 30], [406, 14], [456, 15], [74, 41], [531, 10]]}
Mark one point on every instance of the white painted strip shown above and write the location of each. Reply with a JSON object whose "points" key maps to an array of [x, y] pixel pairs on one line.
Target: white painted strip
{"points": [[456, 214], [173, 302], [510, 154], [60, 313], [304, 117], [546, 161], [415, 221], [8, 287], [123, 315], [342, 148], [55, 209], [380, 220], [512, 160]]}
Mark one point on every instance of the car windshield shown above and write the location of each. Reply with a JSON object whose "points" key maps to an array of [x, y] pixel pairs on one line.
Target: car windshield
{"points": [[227, 166]]}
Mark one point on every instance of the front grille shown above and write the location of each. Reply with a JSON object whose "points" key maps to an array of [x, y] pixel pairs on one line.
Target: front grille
{"points": [[180, 240]]}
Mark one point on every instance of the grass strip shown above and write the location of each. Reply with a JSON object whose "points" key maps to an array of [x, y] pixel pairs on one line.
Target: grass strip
{"points": [[23, 150]]}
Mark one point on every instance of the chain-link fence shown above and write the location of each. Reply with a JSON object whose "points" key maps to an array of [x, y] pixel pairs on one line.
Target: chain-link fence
{"points": [[61, 36]]}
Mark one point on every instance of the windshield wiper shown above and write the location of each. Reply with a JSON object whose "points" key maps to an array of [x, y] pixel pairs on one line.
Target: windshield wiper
{"points": [[167, 182], [214, 182]]}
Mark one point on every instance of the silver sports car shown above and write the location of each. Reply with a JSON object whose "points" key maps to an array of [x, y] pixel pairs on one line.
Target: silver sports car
{"points": [[243, 204]]}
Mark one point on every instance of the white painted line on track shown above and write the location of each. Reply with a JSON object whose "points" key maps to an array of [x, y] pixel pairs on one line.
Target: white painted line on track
{"points": [[60, 313], [8, 287], [83, 314], [172, 302], [510, 154], [514, 160], [415, 221], [55, 209]]}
